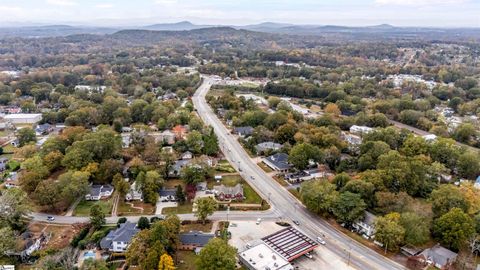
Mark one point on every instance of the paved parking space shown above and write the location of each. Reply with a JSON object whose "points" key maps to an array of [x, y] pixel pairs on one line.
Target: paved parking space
{"points": [[248, 232]]}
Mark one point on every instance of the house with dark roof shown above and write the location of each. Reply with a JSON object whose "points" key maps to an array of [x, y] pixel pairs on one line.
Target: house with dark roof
{"points": [[194, 240], [278, 162], [43, 129], [97, 192], [243, 131], [438, 256], [305, 175], [176, 168], [168, 194], [224, 193], [366, 225], [267, 146], [3, 163], [118, 240]]}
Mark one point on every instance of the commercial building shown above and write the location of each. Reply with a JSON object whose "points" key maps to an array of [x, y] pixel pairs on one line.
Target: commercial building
{"points": [[261, 257]]}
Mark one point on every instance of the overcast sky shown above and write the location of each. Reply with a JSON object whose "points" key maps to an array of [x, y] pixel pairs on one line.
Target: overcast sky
{"points": [[450, 13]]}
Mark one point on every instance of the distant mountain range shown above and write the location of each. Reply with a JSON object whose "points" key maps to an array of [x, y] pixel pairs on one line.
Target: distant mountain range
{"points": [[267, 27]]}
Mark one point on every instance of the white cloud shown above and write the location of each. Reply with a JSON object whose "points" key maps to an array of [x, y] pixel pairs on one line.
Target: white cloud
{"points": [[166, 2], [418, 3], [104, 5], [61, 2]]}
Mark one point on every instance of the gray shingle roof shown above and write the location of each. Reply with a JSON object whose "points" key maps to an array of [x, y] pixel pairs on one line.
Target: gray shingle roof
{"points": [[280, 160], [243, 130], [195, 238], [268, 146], [124, 233], [439, 255]]}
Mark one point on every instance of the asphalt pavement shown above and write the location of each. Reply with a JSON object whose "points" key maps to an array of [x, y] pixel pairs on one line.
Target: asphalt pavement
{"points": [[282, 201]]}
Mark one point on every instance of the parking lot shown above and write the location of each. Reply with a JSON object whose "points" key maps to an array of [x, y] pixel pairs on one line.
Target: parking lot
{"points": [[248, 232]]}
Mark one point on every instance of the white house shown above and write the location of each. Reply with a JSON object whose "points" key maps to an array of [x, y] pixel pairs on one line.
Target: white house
{"points": [[366, 226], [359, 130], [119, 239], [99, 191], [91, 88], [23, 118], [134, 194]]}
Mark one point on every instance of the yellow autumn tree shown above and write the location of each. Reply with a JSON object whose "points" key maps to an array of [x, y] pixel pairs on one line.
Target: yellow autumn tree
{"points": [[166, 262], [332, 108]]}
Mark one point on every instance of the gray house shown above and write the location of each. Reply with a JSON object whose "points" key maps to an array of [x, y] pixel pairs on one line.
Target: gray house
{"points": [[267, 146], [176, 168], [438, 256], [243, 131], [119, 239], [278, 162]]}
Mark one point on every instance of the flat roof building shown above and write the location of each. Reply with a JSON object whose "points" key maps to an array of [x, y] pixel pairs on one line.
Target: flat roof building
{"points": [[261, 257], [290, 243], [23, 118]]}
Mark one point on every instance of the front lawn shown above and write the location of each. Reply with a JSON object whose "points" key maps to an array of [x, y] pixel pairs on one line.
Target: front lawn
{"points": [[83, 208], [223, 166], [186, 208], [133, 208]]}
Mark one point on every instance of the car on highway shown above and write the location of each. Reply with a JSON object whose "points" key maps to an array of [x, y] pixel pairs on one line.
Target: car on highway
{"points": [[321, 241], [50, 218], [296, 222]]}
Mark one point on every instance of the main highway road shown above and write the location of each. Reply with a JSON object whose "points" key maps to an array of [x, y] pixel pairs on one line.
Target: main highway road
{"points": [[284, 204]]}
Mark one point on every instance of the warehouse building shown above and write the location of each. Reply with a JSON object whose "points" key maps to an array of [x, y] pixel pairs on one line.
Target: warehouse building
{"points": [[23, 118]]}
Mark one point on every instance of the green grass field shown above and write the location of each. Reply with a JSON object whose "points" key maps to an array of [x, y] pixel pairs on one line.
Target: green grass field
{"points": [[186, 208], [83, 208]]}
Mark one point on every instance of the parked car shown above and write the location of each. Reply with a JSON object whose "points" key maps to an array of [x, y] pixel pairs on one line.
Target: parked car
{"points": [[321, 241], [50, 218], [308, 255]]}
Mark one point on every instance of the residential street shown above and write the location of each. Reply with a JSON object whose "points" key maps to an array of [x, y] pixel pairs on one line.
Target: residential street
{"points": [[285, 204]]}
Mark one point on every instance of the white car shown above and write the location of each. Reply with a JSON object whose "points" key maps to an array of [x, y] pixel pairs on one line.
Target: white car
{"points": [[50, 218], [259, 220], [321, 241], [308, 255]]}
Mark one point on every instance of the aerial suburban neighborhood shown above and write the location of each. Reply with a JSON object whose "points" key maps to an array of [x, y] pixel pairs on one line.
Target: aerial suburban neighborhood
{"points": [[240, 144]]}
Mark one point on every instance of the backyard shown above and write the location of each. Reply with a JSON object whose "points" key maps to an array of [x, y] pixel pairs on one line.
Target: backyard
{"points": [[83, 208], [186, 260]]}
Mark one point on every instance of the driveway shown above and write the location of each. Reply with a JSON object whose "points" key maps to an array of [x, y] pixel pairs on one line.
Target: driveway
{"points": [[161, 205]]}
